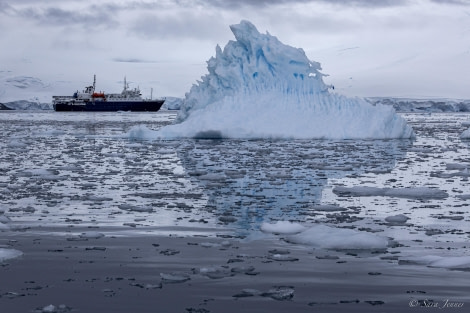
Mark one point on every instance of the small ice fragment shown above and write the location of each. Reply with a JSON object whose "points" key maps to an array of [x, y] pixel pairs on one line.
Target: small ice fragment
{"points": [[49, 309], [91, 235], [327, 208], [174, 277], [397, 219], [128, 207], [280, 293], [283, 257], [409, 193]]}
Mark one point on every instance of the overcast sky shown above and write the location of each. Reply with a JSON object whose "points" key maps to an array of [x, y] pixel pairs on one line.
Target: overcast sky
{"points": [[408, 48]]}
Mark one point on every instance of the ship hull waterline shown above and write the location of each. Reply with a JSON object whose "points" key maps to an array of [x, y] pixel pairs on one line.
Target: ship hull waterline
{"points": [[110, 106]]}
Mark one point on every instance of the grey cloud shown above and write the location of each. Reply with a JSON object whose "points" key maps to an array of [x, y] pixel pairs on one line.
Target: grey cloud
{"points": [[346, 3], [203, 26], [51, 15], [453, 2]]}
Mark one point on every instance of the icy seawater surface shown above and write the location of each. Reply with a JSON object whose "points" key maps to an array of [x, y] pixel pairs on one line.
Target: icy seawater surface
{"points": [[411, 198]]}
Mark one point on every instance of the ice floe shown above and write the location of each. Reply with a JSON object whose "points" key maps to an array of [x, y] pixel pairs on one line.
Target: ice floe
{"points": [[6, 254], [282, 227], [450, 262], [327, 237], [410, 192]]}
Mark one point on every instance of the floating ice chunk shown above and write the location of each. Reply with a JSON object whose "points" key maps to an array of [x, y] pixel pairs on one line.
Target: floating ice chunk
{"points": [[455, 262], [216, 272], [4, 219], [258, 87], [175, 277], [91, 235], [456, 166], [411, 192], [135, 208], [397, 219], [213, 176], [49, 309], [465, 134], [359, 191], [280, 293], [464, 197], [6, 254], [15, 144], [418, 192], [282, 227], [283, 257], [327, 208], [326, 237]]}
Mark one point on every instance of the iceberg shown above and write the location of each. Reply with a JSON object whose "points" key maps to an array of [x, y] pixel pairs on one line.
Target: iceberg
{"points": [[258, 87]]}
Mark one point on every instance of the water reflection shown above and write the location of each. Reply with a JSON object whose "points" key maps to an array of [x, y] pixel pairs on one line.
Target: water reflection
{"points": [[248, 182]]}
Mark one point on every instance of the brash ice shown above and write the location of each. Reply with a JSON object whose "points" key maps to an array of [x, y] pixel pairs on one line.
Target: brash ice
{"points": [[258, 87]]}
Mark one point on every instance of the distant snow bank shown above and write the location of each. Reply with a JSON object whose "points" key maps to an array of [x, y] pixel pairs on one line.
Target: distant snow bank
{"points": [[423, 105], [28, 105], [257, 87]]}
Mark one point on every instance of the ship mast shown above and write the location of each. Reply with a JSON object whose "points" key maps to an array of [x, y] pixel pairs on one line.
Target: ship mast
{"points": [[94, 82]]}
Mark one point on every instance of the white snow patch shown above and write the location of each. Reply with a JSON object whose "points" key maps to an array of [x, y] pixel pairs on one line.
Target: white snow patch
{"points": [[326, 237], [282, 227]]}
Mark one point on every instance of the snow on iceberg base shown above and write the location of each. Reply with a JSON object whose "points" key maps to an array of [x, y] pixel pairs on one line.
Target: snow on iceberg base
{"points": [[258, 87], [284, 116]]}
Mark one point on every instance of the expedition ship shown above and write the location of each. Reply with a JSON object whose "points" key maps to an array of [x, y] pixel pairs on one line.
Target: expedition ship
{"points": [[90, 100]]}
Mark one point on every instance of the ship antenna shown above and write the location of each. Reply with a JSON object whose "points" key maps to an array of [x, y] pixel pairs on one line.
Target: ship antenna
{"points": [[125, 84], [151, 93], [94, 82]]}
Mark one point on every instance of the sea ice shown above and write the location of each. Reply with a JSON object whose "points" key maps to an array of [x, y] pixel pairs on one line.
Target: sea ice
{"points": [[326, 237], [258, 87]]}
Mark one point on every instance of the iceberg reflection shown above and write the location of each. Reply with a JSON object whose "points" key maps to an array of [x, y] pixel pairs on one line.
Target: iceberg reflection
{"points": [[248, 182]]}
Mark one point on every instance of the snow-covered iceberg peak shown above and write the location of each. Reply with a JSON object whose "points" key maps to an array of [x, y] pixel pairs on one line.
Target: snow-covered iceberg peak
{"points": [[258, 87]]}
